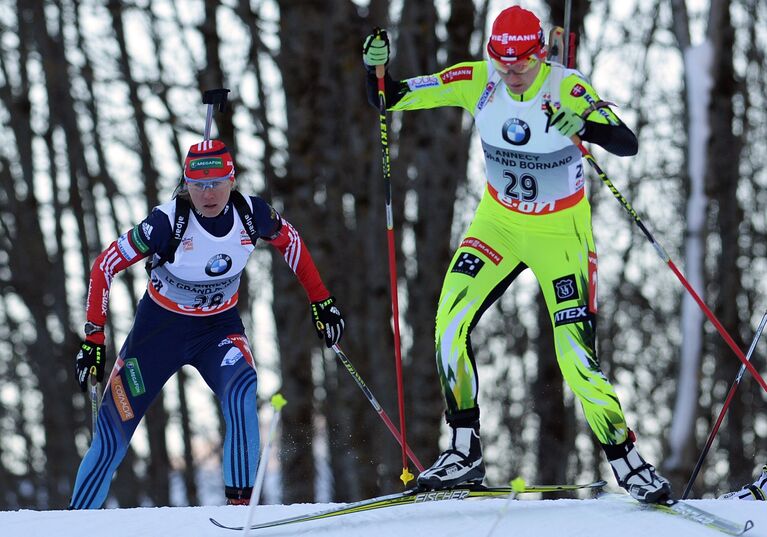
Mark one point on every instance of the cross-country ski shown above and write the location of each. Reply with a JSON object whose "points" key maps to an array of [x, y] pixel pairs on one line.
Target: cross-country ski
{"points": [[415, 497]]}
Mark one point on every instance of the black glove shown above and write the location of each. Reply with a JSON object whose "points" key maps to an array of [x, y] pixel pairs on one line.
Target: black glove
{"points": [[328, 320], [90, 361]]}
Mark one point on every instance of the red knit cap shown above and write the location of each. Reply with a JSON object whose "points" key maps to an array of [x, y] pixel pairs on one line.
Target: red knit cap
{"points": [[516, 35], [207, 161]]}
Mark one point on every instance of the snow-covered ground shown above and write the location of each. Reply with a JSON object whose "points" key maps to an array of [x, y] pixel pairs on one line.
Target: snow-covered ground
{"points": [[468, 518]]}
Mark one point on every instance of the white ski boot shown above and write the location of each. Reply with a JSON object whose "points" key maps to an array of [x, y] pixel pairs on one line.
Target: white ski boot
{"points": [[753, 491], [461, 463], [635, 475]]}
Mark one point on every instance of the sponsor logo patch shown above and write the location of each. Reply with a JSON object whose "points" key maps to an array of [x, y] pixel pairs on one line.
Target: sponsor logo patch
{"points": [[134, 378], [459, 73], [125, 247], [472, 242], [187, 244], [439, 495], [506, 38], [206, 163], [565, 288], [147, 228], [137, 240], [571, 315], [231, 357], [244, 237], [121, 399], [485, 97], [468, 264], [516, 132], [218, 264], [420, 82]]}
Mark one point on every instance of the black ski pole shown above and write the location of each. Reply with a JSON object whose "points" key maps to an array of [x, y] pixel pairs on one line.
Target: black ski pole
{"points": [[723, 412], [376, 405], [95, 389]]}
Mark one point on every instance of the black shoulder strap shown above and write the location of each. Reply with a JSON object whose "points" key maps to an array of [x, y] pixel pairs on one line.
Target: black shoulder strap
{"points": [[246, 215], [183, 207]]}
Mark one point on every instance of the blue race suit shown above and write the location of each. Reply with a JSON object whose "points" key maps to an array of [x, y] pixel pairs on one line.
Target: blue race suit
{"points": [[187, 317]]}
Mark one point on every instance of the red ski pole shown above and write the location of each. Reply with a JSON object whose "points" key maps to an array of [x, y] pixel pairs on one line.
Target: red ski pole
{"points": [[666, 259], [406, 475], [723, 412]]}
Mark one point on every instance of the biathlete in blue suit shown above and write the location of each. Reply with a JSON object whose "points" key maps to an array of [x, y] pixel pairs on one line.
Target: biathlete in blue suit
{"points": [[188, 316]]}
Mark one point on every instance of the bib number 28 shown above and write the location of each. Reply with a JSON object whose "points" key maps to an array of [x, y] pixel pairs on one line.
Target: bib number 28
{"points": [[204, 302]]}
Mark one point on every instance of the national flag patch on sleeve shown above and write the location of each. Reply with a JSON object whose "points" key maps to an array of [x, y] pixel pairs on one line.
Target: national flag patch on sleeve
{"points": [[577, 90]]}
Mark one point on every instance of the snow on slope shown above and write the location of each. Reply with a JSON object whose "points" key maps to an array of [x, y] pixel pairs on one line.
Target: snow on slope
{"points": [[469, 518]]}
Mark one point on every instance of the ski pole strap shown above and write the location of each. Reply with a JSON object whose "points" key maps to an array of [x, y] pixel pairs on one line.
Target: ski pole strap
{"points": [[593, 107]]}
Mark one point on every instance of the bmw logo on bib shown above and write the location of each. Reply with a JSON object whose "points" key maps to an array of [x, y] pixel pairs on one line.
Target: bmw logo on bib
{"points": [[218, 265], [516, 131]]}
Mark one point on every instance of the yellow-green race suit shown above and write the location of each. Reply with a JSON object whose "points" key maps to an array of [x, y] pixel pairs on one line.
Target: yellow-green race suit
{"points": [[533, 214]]}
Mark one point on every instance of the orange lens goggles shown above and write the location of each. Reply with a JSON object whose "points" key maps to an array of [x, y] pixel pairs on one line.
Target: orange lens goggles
{"points": [[517, 68]]}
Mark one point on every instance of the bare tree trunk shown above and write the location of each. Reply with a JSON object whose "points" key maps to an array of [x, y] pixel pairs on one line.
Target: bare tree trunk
{"points": [[436, 176], [52, 361], [190, 469], [722, 179], [697, 68]]}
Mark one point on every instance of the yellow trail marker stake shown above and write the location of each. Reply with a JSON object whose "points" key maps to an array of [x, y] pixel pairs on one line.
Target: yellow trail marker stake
{"points": [[518, 486], [278, 401]]}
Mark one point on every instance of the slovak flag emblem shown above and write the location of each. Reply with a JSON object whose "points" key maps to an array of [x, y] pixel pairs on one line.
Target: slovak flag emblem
{"points": [[577, 90]]}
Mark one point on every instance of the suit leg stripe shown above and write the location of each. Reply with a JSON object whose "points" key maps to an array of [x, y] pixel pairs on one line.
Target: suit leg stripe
{"points": [[106, 469], [237, 435], [78, 502], [239, 450], [244, 458], [94, 478]]}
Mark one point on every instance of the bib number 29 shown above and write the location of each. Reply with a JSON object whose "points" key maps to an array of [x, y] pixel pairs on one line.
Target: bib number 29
{"points": [[523, 188]]}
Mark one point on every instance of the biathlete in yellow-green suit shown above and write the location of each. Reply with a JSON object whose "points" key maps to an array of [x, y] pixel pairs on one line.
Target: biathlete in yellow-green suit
{"points": [[533, 214]]}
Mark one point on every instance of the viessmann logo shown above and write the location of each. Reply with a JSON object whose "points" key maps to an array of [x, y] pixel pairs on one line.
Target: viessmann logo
{"points": [[459, 73], [511, 38]]}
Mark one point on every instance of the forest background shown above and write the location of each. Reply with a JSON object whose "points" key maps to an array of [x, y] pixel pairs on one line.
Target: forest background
{"points": [[99, 100]]}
